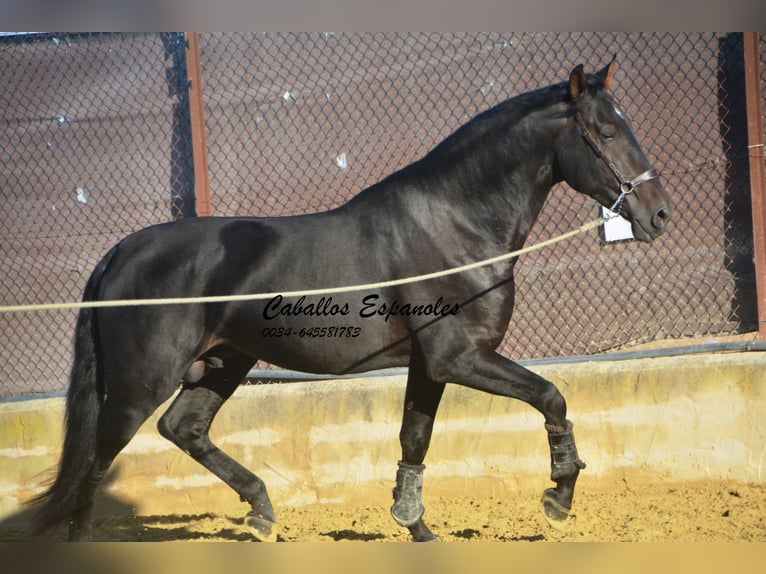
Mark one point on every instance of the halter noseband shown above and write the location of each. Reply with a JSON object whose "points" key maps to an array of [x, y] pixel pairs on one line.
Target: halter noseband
{"points": [[626, 186]]}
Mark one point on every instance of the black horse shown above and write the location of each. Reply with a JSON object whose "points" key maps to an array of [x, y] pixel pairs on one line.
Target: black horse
{"points": [[475, 195]]}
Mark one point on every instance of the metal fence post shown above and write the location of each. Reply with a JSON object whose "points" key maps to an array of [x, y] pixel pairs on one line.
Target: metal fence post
{"points": [[197, 113], [757, 171]]}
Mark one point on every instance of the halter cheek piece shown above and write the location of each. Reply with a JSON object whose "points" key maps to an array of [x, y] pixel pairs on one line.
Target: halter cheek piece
{"points": [[625, 186]]}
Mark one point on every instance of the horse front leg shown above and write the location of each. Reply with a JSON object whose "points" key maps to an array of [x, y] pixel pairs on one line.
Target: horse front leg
{"points": [[421, 401], [493, 373], [565, 468]]}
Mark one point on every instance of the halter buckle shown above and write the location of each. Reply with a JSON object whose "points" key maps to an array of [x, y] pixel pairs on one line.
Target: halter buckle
{"points": [[627, 187]]}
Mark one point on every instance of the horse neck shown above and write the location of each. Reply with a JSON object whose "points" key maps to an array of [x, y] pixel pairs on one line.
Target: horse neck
{"points": [[495, 177]]}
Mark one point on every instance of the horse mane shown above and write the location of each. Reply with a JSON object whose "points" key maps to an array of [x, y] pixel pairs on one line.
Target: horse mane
{"points": [[481, 138], [548, 102], [486, 134]]}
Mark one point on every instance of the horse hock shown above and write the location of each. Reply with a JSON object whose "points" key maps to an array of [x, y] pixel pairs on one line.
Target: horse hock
{"points": [[565, 467]]}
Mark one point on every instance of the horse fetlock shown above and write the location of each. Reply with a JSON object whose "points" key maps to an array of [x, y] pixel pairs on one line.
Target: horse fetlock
{"points": [[408, 507], [565, 461], [260, 504], [81, 521], [261, 520], [79, 531]]}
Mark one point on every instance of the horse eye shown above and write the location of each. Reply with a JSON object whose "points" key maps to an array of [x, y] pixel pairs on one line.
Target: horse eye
{"points": [[606, 134]]}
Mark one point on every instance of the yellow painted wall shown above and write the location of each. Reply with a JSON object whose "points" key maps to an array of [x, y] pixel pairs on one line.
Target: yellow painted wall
{"points": [[673, 419]]}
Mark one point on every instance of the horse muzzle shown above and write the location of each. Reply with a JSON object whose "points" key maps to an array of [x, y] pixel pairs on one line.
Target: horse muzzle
{"points": [[649, 219]]}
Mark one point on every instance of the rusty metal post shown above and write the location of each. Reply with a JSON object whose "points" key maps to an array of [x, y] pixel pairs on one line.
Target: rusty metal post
{"points": [[197, 113], [757, 169]]}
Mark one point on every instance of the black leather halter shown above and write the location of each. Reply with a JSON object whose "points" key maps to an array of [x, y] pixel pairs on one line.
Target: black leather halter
{"points": [[625, 186]]}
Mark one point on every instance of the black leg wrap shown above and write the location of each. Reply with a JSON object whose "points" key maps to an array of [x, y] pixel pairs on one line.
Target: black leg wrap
{"points": [[564, 459], [408, 506]]}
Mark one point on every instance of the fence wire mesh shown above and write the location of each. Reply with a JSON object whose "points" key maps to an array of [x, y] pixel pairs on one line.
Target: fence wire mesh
{"points": [[95, 143]]}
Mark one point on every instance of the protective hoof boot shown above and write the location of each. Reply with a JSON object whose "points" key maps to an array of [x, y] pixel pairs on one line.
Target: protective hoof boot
{"points": [[408, 508], [565, 461], [262, 528]]}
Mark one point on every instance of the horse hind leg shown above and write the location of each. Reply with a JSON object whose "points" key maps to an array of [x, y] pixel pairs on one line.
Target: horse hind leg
{"points": [[119, 420], [187, 423], [421, 401]]}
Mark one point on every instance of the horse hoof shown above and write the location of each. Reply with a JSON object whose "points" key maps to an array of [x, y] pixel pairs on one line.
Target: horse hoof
{"points": [[430, 537], [555, 513], [264, 530], [421, 533]]}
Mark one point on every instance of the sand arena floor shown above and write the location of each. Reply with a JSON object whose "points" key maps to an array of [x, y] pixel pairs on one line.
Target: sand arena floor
{"points": [[698, 512]]}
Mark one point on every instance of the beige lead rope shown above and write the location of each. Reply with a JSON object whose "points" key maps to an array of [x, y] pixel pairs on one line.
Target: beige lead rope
{"points": [[306, 293]]}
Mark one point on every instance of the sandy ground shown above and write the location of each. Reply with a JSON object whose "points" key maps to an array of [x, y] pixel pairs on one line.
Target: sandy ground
{"points": [[703, 512]]}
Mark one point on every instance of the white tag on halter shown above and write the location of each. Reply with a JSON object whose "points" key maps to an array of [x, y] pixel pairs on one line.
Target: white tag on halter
{"points": [[616, 227]]}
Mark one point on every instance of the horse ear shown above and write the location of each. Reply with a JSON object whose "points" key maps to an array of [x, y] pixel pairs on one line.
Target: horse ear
{"points": [[607, 74], [578, 83]]}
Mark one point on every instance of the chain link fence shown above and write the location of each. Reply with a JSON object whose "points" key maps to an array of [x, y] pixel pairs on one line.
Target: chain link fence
{"points": [[95, 143]]}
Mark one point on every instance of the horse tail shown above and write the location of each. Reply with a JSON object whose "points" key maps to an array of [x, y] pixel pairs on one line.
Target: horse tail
{"points": [[83, 403]]}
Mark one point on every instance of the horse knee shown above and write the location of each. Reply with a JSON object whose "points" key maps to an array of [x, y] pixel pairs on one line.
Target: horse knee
{"points": [[554, 405]]}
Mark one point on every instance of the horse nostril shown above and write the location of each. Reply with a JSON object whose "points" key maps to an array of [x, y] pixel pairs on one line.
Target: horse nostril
{"points": [[661, 217]]}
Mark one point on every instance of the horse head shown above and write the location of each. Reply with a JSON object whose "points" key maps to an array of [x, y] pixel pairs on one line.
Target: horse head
{"points": [[598, 155]]}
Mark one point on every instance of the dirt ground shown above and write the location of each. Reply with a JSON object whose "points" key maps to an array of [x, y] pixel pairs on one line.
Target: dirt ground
{"points": [[704, 512]]}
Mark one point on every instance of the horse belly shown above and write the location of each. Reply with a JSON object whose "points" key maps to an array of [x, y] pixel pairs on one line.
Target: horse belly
{"points": [[327, 343], [330, 349]]}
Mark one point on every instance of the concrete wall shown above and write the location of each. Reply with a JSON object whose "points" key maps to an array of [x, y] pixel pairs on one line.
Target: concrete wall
{"points": [[656, 420]]}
